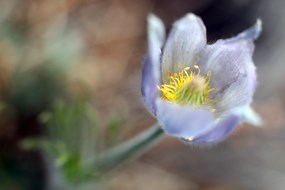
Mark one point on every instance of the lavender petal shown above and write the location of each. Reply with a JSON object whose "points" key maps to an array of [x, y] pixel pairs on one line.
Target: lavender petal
{"points": [[151, 66], [183, 121], [232, 70], [219, 131]]}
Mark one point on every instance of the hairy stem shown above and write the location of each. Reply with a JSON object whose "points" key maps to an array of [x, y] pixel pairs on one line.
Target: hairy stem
{"points": [[138, 144]]}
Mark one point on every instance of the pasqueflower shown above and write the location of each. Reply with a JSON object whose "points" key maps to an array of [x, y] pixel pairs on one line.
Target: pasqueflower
{"points": [[199, 92]]}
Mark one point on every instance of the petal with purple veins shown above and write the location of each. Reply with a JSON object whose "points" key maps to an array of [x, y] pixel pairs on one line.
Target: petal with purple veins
{"points": [[186, 39], [232, 70]]}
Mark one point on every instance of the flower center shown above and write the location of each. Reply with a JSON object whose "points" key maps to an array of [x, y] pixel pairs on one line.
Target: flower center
{"points": [[187, 87]]}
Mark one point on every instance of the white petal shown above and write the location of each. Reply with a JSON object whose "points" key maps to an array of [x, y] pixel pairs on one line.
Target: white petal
{"points": [[251, 117]]}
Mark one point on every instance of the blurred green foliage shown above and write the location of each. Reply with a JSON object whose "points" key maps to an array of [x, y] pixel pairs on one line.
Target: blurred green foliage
{"points": [[116, 120], [35, 57], [72, 130], [32, 91], [74, 139]]}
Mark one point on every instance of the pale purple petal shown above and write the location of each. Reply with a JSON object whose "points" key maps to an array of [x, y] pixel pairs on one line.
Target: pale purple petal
{"points": [[218, 132], [149, 85], [186, 39], [251, 33], [183, 121], [151, 66], [232, 70]]}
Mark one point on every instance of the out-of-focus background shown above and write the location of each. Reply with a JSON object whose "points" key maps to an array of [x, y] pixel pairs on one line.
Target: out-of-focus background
{"points": [[73, 64]]}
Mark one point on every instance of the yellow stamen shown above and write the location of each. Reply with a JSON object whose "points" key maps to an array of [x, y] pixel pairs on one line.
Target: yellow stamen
{"points": [[187, 87]]}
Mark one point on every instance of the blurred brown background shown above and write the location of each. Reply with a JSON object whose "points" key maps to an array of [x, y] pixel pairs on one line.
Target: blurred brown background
{"points": [[114, 34]]}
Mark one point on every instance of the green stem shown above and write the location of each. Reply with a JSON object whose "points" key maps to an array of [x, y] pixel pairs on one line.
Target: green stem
{"points": [[129, 149]]}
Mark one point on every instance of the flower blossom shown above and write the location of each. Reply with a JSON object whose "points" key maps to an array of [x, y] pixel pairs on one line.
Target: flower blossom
{"points": [[199, 92]]}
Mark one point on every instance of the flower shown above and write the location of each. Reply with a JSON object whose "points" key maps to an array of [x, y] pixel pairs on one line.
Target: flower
{"points": [[199, 93]]}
